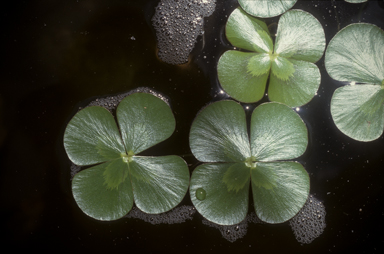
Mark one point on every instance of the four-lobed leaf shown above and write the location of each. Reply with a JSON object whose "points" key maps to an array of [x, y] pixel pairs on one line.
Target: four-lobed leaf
{"points": [[119, 176], [294, 78], [356, 55], [235, 161]]}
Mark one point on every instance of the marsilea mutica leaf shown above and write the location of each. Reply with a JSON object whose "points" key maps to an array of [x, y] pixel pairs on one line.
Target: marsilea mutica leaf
{"points": [[260, 161], [356, 55], [294, 78], [118, 176]]}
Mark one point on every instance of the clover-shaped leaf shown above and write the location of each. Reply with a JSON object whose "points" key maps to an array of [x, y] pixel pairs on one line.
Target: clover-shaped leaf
{"points": [[356, 55], [294, 78], [266, 8], [219, 189], [118, 175]]}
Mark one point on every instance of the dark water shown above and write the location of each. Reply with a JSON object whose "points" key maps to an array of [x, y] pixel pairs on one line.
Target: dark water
{"points": [[60, 55]]}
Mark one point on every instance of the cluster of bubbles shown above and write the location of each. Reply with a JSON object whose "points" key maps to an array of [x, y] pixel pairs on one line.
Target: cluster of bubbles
{"points": [[178, 23], [237, 231], [176, 215], [309, 223]]}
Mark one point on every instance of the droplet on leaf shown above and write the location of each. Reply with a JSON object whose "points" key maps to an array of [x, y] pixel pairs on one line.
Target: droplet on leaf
{"points": [[200, 194]]}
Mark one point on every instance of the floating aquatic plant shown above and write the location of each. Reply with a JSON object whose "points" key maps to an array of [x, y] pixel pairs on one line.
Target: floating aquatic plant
{"points": [[266, 8], [356, 55], [118, 175], [219, 188], [293, 77]]}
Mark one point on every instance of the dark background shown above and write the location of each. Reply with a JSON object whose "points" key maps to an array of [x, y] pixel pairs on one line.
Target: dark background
{"points": [[58, 56]]}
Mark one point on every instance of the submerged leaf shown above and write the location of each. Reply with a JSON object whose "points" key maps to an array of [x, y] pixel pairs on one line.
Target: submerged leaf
{"points": [[259, 64], [282, 68], [237, 176], [236, 80], [115, 173], [300, 88], [266, 8]]}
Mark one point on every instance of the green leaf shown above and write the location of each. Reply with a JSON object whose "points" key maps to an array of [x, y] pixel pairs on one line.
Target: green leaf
{"points": [[92, 137], [236, 177], [356, 53], [249, 33], [277, 133], [358, 111], [235, 78], [159, 183], [221, 206], [95, 198], [115, 173], [144, 121], [259, 64], [219, 133], [280, 190], [282, 68], [300, 36], [266, 8], [299, 89], [243, 76]]}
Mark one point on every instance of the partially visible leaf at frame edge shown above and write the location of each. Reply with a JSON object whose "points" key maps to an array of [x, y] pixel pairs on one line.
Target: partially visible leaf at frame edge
{"points": [[277, 133], [298, 89], [220, 205], [219, 133], [266, 8], [92, 137], [159, 183], [288, 189], [356, 1], [95, 198], [144, 121], [282, 68], [356, 53], [358, 111], [300, 36], [248, 33], [234, 77]]}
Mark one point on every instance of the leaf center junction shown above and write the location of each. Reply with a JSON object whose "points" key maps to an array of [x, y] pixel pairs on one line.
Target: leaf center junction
{"points": [[127, 157], [251, 162]]}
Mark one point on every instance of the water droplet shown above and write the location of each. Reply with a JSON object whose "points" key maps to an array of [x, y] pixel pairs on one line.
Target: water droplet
{"points": [[200, 194]]}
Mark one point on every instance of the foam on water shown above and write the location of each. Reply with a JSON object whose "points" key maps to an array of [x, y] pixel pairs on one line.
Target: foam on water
{"points": [[178, 23]]}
